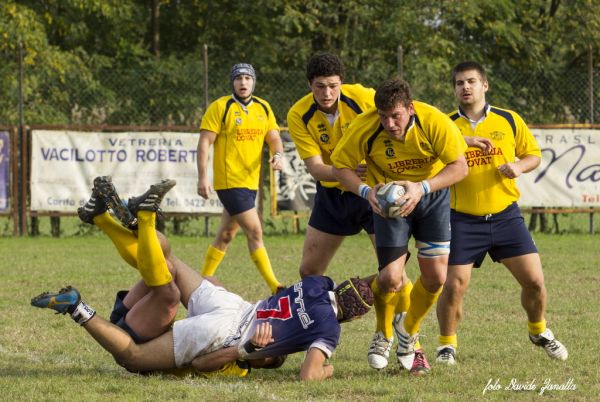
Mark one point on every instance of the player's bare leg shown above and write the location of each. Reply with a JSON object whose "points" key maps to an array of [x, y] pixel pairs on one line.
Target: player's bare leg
{"points": [[250, 223], [215, 253], [318, 251], [156, 354], [450, 311], [527, 270]]}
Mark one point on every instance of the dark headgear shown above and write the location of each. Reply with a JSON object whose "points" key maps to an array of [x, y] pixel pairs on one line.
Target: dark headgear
{"points": [[242, 68], [354, 298]]}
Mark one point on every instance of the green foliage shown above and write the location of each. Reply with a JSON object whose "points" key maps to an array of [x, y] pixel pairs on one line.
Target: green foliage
{"points": [[111, 62]]}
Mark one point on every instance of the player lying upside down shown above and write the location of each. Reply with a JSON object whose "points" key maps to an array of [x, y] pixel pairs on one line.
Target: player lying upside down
{"points": [[221, 327]]}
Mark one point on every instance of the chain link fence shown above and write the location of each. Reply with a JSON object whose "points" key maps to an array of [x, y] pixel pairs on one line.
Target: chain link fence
{"points": [[174, 92]]}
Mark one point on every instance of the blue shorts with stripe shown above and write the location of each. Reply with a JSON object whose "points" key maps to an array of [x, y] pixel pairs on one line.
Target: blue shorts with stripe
{"points": [[118, 315], [340, 213], [429, 221], [501, 235], [237, 200]]}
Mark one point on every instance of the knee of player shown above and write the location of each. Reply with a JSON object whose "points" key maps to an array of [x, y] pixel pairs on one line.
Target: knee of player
{"points": [[455, 288], [535, 285], [389, 281], [254, 233], [170, 294], [226, 236]]}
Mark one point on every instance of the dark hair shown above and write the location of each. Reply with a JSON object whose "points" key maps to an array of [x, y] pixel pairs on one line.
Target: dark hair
{"points": [[466, 66], [324, 64], [268, 362], [391, 92], [354, 298]]}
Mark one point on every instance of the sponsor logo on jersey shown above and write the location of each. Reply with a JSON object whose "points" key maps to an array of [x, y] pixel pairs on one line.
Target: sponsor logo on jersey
{"points": [[476, 157], [299, 300], [497, 135]]}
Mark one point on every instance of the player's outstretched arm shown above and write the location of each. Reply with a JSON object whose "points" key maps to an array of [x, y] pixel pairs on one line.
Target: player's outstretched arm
{"points": [[207, 138], [314, 368], [216, 360]]}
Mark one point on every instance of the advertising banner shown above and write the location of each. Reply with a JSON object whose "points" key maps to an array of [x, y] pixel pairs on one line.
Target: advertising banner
{"points": [[569, 175], [65, 163]]}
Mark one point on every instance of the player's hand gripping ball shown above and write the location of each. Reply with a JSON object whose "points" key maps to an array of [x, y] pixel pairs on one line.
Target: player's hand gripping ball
{"points": [[387, 196]]}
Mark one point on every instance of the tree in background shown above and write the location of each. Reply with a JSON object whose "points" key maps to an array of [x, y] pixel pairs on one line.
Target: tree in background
{"points": [[140, 61]]}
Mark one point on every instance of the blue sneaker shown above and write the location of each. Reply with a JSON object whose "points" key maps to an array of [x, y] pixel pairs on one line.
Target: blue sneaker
{"points": [[106, 191], [63, 302]]}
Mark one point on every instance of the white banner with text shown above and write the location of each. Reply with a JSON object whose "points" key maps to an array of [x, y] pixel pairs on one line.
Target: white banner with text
{"points": [[65, 163], [569, 175]]}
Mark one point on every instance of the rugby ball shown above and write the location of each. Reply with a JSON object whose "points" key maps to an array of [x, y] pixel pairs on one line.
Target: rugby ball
{"points": [[387, 196]]}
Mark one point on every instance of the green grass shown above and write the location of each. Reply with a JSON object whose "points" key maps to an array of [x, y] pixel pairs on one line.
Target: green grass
{"points": [[48, 357]]}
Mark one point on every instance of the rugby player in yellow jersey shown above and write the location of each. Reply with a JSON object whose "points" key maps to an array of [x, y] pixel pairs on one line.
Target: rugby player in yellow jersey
{"points": [[238, 125], [415, 145], [501, 148], [317, 122]]}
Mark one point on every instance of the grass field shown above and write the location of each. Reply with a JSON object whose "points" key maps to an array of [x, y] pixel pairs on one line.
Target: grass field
{"points": [[48, 357]]}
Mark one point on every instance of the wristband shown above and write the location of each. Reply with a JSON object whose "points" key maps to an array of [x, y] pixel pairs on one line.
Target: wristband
{"points": [[426, 187], [82, 313], [277, 155], [363, 190], [244, 349]]}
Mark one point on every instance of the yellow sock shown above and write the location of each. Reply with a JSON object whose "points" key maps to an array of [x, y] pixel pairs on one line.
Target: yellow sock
{"points": [[384, 309], [448, 340], [124, 239], [421, 302], [536, 328], [261, 260], [151, 260], [404, 298], [212, 259]]}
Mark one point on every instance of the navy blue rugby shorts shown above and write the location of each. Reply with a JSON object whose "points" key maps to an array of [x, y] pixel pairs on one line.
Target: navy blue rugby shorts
{"points": [[237, 200], [502, 235], [429, 221], [340, 213], [118, 315]]}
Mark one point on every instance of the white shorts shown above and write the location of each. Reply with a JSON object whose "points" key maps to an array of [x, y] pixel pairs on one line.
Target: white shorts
{"points": [[214, 315]]}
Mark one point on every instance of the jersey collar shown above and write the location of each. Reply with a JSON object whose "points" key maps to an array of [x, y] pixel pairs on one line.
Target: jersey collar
{"points": [[241, 103], [486, 110]]}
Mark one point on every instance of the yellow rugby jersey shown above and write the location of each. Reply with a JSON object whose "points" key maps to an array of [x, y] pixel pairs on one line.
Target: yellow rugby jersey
{"points": [[485, 191], [430, 143], [311, 131], [240, 137]]}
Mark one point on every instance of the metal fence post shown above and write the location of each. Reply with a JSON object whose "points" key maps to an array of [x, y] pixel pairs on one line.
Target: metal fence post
{"points": [[205, 57], [21, 141], [591, 82], [400, 57]]}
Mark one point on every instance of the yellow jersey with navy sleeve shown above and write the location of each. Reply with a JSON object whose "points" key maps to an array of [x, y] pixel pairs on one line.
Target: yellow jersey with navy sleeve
{"points": [[431, 142], [311, 131], [485, 191], [241, 132]]}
